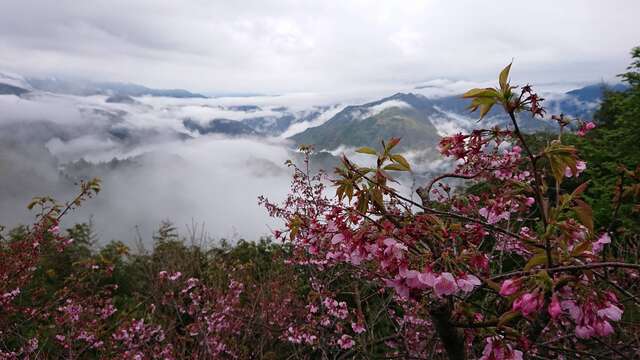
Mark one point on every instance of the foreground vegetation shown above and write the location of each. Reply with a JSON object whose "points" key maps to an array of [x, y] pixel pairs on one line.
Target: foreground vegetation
{"points": [[535, 258]]}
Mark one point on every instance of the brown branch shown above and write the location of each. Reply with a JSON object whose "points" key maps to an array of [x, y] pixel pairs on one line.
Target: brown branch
{"points": [[476, 325], [452, 338], [618, 287], [537, 185], [609, 264], [443, 176]]}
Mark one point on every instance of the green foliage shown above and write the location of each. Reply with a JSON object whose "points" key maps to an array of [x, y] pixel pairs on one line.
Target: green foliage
{"points": [[614, 144]]}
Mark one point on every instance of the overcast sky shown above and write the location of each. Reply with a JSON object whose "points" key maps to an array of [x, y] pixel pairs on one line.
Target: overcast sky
{"points": [[270, 46]]}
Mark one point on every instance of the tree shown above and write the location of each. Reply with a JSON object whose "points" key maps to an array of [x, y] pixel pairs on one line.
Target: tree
{"points": [[510, 269]]}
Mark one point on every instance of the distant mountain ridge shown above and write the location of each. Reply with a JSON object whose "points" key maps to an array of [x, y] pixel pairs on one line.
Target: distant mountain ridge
{"points": [[421, 121], [400, 115], [220, 126], [13, 84], [6, 89], [275, 123], [88, 88]]}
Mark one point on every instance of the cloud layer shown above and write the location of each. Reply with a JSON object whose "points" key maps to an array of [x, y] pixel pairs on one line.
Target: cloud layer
{"points": [[273, 46]]}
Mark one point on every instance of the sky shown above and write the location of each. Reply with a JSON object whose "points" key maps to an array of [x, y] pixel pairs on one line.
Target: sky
{"points": [[269, 46]]}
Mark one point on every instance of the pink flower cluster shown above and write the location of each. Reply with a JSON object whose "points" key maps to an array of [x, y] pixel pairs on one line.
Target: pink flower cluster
{"points": [[580, 167], [442, 284], [496, 349], [137, 340], [593, 318], [585, 127], [599, 244]]}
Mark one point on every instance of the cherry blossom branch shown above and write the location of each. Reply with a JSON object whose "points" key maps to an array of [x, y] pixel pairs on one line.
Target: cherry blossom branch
{"points": [[609, 264], [476, 325], [444, 176], [537, 182], [424, 199]]}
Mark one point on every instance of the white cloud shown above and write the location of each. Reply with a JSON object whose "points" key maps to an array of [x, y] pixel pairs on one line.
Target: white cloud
{"points": [[377, 109], [273, 46]]}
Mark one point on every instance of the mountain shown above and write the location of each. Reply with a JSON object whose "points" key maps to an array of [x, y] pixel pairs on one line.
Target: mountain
{"points": [[220, 126], [88, 88], [244, 108], [282, 119], [421, 121], [400, 115], [6, 89], [120, 99], [595, 92], [258, 121], [13, 84]]}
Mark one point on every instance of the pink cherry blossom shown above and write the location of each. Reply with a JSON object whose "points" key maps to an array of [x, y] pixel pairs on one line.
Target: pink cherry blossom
{"points": [[580, 167], [493, 216], [510, 287], [585, 127], [554, 307], [445, 284], [584, 331], [600, 243], [427, 278], [413, 279], [346, 342], [398, 284], [357, 328], [496, 349], [528, 303], [175, 276], [603, 328], [611, 312], [466, 283], [574, 310]]}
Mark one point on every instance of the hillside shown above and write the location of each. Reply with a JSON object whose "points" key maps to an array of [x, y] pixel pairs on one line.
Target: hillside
{"points": [[420, 121], [401, 115]]}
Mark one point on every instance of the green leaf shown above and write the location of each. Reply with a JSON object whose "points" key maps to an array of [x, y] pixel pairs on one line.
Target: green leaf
{"points": [[363, 202], [544, 280], [560, 157], [294, 227], [581, 248], [484, 103], [504, 77], [584, 213], [392, 143], [33, 203], [537, 259], [473, 93], [401, 160], [367, 150], [492, 284], [480, 92], [579, 190], [508, 317], [396, 167], [340, 192], [376, 196], [484, 109]]}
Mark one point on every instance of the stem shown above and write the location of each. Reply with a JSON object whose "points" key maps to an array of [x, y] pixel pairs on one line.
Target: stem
{"points": [[609, 264], [537, 186], [452, 338], [444, 176]]}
